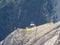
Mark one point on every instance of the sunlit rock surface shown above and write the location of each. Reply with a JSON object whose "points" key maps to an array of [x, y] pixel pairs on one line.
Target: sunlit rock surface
{"points": [[20, 13], [46, 34]]}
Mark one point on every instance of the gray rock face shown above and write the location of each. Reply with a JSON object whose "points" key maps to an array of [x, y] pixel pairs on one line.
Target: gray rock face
{"points": [[47, 34], [20, 13]]}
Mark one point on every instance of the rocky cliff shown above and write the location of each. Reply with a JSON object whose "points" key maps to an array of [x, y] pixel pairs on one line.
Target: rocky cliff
{"points": [[46, 34]]}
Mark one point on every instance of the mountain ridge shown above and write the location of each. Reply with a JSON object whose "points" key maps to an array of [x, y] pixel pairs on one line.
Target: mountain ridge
{"points": [[40, 35]]}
